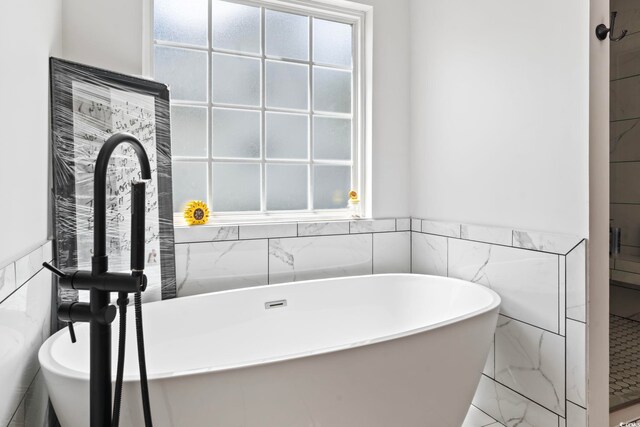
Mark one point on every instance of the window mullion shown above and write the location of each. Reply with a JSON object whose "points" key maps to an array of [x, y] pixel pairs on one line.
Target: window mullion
{"points": [[209, 105], [311, 171], [263, 118]]}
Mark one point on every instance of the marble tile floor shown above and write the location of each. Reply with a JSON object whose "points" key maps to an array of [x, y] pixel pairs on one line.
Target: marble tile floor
{"points": [[477, 418], [624, 375]]}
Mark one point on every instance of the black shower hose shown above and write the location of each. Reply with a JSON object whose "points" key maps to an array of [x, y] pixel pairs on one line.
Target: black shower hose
{"points": [[144, 387]]}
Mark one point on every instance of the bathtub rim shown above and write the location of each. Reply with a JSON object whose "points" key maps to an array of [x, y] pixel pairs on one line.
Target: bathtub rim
{"points": [[48, 363]]}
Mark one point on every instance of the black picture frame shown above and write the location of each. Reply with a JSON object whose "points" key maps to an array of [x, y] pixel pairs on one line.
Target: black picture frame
{"points": [[63, 75]]}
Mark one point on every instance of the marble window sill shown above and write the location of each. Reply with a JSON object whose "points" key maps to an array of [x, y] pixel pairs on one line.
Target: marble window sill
{"points": [[247, 231]]}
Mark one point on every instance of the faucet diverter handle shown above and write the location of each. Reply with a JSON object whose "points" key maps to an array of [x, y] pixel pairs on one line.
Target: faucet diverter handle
{"points": [[61, 274], [72, 332]]}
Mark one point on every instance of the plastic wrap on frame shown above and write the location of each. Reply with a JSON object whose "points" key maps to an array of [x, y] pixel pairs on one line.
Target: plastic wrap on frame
{"points": [[88, 106]]}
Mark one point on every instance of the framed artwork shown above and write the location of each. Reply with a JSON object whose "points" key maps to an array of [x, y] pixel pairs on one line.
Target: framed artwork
{"points": [[88, 105]]}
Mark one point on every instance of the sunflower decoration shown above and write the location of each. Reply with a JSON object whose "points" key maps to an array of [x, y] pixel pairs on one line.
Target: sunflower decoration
{"points": [[354, 204], [196, 212]]}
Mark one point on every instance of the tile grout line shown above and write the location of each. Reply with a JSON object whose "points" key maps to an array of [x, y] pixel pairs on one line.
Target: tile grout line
{"points": [[494, 244], [566, 364], [529, 324], [372, 249], [23, 284], [523, 396], [24, 396]]}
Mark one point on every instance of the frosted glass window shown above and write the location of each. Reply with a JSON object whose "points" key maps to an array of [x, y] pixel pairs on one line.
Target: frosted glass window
{"points": [[183, 21], [287, 136], [287, 85], [189, 131], [189, 183], [235, 27], [332, 44], [236, 80], [287, 187], [236, 187], [184, 70], [236, 133], [263, 113], [331, 90], [287, 35], [331, 186], [331, 138]]}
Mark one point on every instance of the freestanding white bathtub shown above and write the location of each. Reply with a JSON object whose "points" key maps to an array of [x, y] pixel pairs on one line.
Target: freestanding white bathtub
{"points": [[396, 350]]}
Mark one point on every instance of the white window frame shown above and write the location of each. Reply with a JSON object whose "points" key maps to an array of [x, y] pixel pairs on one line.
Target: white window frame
{"points": [[355, 14]]}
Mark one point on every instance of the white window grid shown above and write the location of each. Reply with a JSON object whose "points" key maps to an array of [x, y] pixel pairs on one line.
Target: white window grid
{"points": [[298, 7]]}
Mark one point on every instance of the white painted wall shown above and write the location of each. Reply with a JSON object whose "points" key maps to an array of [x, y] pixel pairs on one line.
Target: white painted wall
{"points": [[106, 34], [110, 35], [29, 33], [499, 112], [391, 107]]}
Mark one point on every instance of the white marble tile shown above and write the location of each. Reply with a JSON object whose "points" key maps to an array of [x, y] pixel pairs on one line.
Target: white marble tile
{"points": [[489, 366], [530, 361], [562, 305], [323, 228], [29, 265], [477, 418], [624, 98], [624, 277], [47, 251], [510, 408], [268, 231], [624, 301], [527, 281], [416, 224], [546, 242], [205, 233], [24, 325], [576, 362], [440, 228], [624, 56], [626, 217], [217, 266], [623, 137], [562, 422], [621, 174], [372, 225], [392, 252], [7, 280], [577, 283], [33, 410], [630, 266], [403, 224], [576, 416], [480, 233], [307, 258], [429, 254]]}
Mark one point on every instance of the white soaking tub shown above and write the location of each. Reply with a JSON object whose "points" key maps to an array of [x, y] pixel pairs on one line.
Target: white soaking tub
{"points": [[396, 350]]}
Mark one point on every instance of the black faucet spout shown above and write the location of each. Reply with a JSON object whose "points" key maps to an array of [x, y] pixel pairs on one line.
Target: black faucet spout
{"points": [[99, 263]]}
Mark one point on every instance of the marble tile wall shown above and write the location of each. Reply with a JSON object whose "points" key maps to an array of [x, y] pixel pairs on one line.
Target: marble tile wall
{"points": [[625, 128], [536, 372], [212, 259], [25, 315]]}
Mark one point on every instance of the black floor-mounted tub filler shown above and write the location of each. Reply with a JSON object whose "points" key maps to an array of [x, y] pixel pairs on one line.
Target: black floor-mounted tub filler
{"points": [[100, 283]]}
